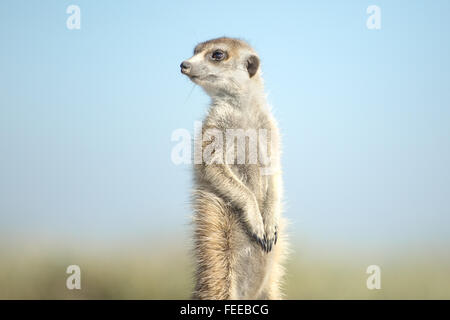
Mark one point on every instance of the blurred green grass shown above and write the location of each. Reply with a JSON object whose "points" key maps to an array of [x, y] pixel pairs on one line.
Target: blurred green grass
{"points": [[139, 273]]}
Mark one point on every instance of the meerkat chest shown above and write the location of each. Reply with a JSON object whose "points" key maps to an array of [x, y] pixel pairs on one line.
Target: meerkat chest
{"points": [[251, 176], [245, 136]]}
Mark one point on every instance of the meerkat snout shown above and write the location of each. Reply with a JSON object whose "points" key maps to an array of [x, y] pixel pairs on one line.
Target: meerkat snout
{"points": [[185, 67]]}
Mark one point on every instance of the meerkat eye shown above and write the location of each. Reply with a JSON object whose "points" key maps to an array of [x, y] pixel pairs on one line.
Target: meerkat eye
{"points": [[218, 55]]}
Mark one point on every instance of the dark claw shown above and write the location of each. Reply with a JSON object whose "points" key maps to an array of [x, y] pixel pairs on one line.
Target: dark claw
{"points": [[265, 243], [261, 243]]}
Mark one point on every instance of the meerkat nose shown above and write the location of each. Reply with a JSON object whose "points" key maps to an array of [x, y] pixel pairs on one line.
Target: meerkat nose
{"points": [[185, 67]]}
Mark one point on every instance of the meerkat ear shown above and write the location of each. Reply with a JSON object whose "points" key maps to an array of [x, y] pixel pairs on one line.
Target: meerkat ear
{"points": [[252, 65]]}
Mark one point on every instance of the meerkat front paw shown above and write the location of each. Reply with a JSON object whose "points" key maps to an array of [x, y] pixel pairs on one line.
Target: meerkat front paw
{"points": [[270, 237], [256, 225], [257, 232], [265, 236], [263, 231]]}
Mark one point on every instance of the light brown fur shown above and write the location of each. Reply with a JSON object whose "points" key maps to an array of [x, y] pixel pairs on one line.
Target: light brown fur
{"points": [[239, 235], [225, 258]]}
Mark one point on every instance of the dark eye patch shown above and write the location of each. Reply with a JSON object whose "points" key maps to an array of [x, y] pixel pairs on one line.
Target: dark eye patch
{"points": [[218, 55]]}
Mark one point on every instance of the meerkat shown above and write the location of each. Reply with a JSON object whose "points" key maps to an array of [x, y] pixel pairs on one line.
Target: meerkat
{"points": [[239, 241]]}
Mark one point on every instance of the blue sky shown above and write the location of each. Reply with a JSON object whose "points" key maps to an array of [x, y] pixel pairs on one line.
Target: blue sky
{"points": [[86, 115]]}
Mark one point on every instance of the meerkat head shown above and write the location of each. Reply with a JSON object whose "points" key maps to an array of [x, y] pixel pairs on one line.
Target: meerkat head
{"points": [[223, 66]]}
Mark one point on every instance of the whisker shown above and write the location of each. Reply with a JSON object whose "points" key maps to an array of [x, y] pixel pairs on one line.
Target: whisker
{"points": [[190, 93]]}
